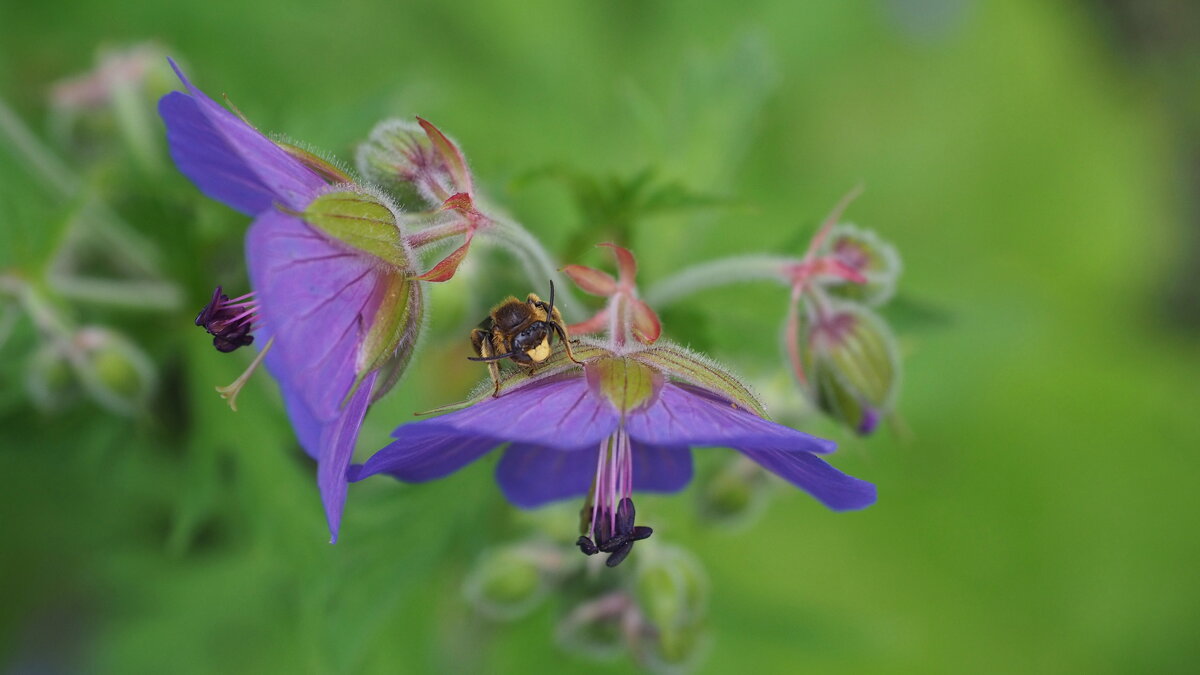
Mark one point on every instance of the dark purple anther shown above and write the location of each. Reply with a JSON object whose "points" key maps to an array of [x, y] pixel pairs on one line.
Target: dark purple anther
{"points": [[228, 322], [618, 544]]}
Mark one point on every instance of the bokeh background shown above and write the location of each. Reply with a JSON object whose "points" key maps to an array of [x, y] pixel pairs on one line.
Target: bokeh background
{"points": [[1036, 163]]}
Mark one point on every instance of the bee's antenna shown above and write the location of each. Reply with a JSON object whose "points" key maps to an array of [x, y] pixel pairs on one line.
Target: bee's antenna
{"points": [[550, 312]]}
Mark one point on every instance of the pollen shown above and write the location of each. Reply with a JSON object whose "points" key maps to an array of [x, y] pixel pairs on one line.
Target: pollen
{"points": [[541, 352]]}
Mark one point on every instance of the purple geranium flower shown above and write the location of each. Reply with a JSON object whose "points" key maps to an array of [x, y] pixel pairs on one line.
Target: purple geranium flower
{"points": [[335, 316], [623, 422]]}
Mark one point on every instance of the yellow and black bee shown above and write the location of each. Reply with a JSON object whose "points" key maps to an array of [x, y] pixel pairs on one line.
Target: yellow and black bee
{"points": [[520, 331]]}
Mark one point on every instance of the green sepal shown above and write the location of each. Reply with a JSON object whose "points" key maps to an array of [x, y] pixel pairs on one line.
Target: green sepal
{"points": [[315, 163], [360, 221], [628, 384], [392, 335], [408, 321], [688, 366]]}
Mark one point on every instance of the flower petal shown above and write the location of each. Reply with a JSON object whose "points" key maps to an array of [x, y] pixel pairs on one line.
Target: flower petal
{"points": [[685, 415], [533, 475], [336, 449], [318, 301], [660, 468], [424, 451], [558, 412], [646, 326], [229, 160], [815, 476], [626, 263]]}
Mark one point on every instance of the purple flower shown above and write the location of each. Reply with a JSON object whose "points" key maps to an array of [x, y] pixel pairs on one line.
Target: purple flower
{"points": [[621, 423], [330, 312]]}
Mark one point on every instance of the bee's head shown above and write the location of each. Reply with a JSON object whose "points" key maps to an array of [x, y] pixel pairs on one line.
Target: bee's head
{"points": [[533, 342]]}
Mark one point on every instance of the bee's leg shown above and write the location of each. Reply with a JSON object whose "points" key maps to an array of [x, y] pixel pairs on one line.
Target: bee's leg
{"points": [[562, 335], [482, 341]]}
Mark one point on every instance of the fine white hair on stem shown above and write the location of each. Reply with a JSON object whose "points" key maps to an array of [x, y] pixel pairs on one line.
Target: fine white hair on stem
{"points": [[535, 261], [718, 273]]}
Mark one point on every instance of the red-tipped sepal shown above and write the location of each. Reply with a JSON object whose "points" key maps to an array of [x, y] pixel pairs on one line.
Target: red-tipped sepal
{"points": [[591, 281]]}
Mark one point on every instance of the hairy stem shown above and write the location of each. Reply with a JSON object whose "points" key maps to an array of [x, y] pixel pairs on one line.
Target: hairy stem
{"points": [[719, 273]]}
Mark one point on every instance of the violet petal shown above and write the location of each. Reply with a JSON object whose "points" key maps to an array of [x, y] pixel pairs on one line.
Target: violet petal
{"points": [[424, 451], [532, 475], [317, 300], [658, 468], [560, 413], [336, 450], [688, 416], [229, 160], [815, 476]]}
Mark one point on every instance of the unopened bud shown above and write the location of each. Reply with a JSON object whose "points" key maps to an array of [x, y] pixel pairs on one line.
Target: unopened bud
{"points": [[733, 494], [420, 166], [118, 92], [851, 364], [672, 592], [864, 252], [115, 373], [599, 628], [49, 380], [509, 583]]}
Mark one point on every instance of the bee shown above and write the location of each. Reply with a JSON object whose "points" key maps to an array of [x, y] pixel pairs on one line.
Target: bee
{"points": [[520, 331]]}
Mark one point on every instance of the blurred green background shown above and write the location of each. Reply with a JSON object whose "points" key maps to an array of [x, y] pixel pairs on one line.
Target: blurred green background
{"points": [[1036, 163]]}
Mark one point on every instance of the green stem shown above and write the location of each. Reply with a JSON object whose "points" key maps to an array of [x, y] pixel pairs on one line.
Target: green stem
{"points": [[719, 273]]}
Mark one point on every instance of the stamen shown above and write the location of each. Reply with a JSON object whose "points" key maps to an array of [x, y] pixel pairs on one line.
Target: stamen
{"points": [[612, 520], [598, 484], [230, 322], [230, 391]]}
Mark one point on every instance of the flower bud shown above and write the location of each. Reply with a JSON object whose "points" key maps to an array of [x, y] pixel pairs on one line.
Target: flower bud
{"points": [[49, 379], [851, 365], [598, 628], [418, 164], [510, 582], [114, 371], [672, 592], [864, 252], [114, 100], [733, 494]]}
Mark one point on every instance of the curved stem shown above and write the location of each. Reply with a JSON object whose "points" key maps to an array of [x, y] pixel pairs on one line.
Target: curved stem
{"points": [[535, 260], [719, 273]]}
